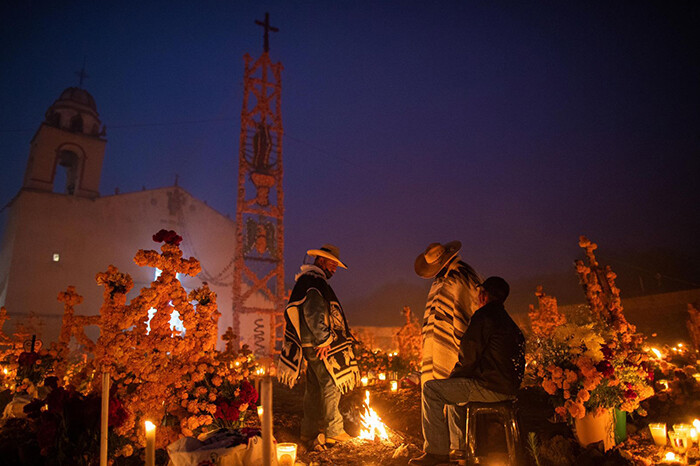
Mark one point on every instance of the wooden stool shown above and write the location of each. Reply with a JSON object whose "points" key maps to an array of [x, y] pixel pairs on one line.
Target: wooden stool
{"points": [[507, 413]]}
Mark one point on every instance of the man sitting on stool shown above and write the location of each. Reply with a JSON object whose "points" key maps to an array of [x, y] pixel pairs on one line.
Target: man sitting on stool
{"points": [[490, 369]]}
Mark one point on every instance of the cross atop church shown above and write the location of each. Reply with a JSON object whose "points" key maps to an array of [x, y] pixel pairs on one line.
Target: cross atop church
{"points": [[268, 28], [82, 74]]}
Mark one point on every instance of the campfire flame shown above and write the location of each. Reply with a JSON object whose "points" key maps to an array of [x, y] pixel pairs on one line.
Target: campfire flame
{"points": [[372, 425]]}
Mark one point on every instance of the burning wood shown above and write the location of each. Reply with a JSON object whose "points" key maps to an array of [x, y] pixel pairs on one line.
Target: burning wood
{"points": [[372, 425]]}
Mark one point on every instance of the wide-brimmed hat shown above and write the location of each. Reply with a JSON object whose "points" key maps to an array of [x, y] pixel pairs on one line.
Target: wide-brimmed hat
{"points": [[329, 252], [436, 255]]}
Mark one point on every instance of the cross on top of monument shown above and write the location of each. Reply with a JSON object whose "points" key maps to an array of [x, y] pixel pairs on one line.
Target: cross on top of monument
{"points": [[82, 74], [268, 28]]}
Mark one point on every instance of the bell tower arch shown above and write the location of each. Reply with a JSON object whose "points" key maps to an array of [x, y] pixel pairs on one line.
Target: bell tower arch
{"points": [[67, 151]]}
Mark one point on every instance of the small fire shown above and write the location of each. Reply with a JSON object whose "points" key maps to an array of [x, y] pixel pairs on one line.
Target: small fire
{"points": [[372, 425]]}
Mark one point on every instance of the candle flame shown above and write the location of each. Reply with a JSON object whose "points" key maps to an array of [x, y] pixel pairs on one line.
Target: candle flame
{"points": [[372, 425], [696, 424], [670, 456], [149, 426]]}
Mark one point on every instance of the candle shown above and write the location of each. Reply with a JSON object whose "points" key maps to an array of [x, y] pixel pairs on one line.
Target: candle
{"points": [[658, 433], [286, 454], [670, 457], [364, 381], [104, 421], [693, 435], [682, 429], [150, 443], [382, 376], [679, 441], [260, 412], [394, 386]]}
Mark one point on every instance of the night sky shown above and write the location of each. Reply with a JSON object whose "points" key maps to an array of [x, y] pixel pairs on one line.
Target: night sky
{"points": [[513, 127]]}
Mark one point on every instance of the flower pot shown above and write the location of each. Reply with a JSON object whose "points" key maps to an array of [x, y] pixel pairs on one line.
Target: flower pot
{"points": [[595, 427]]}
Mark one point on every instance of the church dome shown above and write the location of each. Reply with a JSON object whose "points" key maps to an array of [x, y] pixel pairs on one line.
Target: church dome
{"points": [[80, 96], [75, 110]]}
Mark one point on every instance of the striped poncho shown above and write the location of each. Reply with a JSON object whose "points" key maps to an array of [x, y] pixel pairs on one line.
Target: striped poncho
{"points": [[451, 302]]}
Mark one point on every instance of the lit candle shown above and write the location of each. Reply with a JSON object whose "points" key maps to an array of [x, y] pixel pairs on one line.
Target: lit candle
{"points": [[150, 443], [693, 435], [364, 381], [286, 454], [394, 386], [382, 376], [658, 433], [104, 421], [682, 429], [670, 457], [260, 412], [679, 441]]}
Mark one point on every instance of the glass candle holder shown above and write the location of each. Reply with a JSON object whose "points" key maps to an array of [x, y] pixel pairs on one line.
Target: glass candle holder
{"points": [[394, 386], [683, 429], [679, 441], [286, 454], [658, 433]]}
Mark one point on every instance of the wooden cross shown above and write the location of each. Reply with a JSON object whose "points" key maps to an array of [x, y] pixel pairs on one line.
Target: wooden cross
{"points": [[268, 28]]}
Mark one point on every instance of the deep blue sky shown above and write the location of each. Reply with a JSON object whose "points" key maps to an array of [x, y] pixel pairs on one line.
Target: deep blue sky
{"points": [[511, 126]]}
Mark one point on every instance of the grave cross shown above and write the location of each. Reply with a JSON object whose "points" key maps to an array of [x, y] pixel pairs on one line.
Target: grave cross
{"points": [[268, 28]]}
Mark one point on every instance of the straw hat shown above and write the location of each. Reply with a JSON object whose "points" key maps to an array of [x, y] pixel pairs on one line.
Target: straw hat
{"points": [[329, 252], [436, 255]]}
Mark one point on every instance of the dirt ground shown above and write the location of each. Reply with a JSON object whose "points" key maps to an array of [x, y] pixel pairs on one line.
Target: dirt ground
{"points": [[401, 413]]}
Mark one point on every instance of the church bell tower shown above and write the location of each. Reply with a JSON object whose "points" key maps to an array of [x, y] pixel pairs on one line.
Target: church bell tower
{"points": [[258, 280], [66, 153]]}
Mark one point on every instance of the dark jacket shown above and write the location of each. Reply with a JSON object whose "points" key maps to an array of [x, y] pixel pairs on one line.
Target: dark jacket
{"points": [[492, 350]]}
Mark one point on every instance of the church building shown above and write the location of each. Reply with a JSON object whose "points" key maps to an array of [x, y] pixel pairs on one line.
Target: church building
{"points": [[59, 231]]}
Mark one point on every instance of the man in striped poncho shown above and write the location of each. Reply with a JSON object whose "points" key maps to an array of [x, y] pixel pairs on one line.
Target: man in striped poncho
{"points": [[452, 300]]}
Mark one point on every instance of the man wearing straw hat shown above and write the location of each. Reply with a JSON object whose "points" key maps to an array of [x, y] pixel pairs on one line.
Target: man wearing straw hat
{"points": [[451, 302], [490, 369], [316, 330]]}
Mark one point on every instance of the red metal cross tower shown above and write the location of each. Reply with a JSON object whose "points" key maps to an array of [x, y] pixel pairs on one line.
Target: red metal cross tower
{"points": [[258, 278]]}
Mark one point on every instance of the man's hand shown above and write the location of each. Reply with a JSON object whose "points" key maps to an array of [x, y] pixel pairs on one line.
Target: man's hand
{"points": [[322, 352]]}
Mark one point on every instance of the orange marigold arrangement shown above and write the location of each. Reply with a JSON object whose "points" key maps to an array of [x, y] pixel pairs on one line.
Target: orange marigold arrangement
{"points": [[592, 359], [177, 380]]}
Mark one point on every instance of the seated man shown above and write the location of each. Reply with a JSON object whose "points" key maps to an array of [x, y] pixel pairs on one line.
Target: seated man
{"points": [[490, 369]]}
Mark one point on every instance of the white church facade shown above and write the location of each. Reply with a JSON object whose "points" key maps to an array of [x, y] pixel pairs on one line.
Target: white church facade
{"points": [[58, 230]]}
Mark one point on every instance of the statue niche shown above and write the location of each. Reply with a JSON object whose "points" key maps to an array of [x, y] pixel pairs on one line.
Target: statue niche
{"points": [[260, 176]]}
